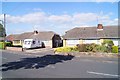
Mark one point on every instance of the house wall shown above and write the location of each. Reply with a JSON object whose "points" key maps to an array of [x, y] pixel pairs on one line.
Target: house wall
{"points": [[75, 42], [79, 41], [72, 42], [47, 43], [17, 43], [91, 41], [115, 41]]}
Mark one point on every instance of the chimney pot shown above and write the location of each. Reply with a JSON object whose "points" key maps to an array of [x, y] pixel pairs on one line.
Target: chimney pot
{"points": [[35, 32], [100, 26]]}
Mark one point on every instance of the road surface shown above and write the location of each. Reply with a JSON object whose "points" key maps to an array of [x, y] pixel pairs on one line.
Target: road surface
{"points": [[48, 65]]}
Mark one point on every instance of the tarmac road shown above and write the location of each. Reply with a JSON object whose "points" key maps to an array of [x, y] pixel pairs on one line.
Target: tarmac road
{"points": [[23, 65]]}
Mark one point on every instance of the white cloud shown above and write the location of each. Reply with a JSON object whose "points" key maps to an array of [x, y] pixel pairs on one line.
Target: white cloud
{"points": [[42, 18], [63, 22], [32, 18], [60, 19], [82, 18]]}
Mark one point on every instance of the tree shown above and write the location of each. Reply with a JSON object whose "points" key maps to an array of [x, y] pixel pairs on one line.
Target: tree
{"points": [[2, 31]]}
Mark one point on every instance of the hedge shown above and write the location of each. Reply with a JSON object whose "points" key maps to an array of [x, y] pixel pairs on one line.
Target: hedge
{"points": [[66, 49], [9, 44], [2, 45], [114, 49], [93, 48]]}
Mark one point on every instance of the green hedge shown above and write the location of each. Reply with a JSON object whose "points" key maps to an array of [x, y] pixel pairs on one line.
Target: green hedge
{"points": [[66, 49], [114, 49], [88, 48], [9, 44], [2, 45], [92, 48]]}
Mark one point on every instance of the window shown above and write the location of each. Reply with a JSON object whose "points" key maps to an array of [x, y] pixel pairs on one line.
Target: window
{"points": [[33, 42], [27, 42], [17, 41]]}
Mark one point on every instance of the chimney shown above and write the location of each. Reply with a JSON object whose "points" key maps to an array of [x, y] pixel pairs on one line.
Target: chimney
{"points": [[100, 27], [35, 32]]}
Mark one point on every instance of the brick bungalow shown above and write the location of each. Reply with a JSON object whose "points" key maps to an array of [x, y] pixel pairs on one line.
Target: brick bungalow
{"points": [[49, 38], [84, 35]]}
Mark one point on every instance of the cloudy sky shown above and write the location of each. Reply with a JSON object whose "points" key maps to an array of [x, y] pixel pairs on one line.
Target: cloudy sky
{"points": [[57, 16]]}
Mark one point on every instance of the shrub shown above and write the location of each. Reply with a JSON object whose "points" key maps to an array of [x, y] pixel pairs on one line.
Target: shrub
{"points": [[66, 49], [114, 49], [87, 47], [91, 47], [82, 47], [101, 48], [9, 44], [2, 45], [108, 43]]}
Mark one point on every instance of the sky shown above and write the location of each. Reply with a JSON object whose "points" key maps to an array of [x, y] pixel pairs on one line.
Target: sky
{"points": [[58, 17]]}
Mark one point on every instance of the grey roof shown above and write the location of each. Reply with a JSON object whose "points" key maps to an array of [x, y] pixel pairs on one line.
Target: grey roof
{"points": [[92, 32], [24, 36], [44, 35]]}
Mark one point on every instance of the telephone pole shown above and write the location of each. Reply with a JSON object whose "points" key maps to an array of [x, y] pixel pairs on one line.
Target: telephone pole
{"points": [[4, 25]]}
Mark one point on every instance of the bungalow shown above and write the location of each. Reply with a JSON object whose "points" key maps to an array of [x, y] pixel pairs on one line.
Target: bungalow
{"points": [[87, 35], [49, 38]]}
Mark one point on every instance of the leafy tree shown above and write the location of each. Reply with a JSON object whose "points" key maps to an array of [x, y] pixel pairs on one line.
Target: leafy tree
{"points": [[2, 31]]}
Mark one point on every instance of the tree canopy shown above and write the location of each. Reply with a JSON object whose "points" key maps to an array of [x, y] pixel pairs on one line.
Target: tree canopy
{"points": [[2, 30]]}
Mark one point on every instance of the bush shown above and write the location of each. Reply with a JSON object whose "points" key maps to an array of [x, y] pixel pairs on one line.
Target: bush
{"points": [[87, 47], [114, 49], [8, 44], [101, 48], [2, 45], [66, 49], [91, 47], [82, 47], [108, 42]]}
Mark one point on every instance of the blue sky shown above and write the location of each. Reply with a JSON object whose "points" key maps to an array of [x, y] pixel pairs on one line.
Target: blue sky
{"points": [[57, 16]]}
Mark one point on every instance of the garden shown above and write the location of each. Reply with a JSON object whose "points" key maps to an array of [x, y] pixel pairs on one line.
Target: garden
{"points": [[4, 44], [106, 47]]}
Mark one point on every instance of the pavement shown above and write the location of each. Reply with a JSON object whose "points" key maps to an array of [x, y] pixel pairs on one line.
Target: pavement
{"points": [[47, 65]]}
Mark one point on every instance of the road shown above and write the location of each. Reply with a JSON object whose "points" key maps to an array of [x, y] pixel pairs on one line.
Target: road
{"points": [[47, 65]]}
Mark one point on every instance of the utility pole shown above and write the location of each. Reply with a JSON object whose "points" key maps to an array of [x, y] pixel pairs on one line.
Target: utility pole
{"points": [[5, 25]]}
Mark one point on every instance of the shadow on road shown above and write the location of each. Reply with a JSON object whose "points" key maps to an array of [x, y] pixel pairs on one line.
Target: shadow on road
{"points": [[35, 63]]}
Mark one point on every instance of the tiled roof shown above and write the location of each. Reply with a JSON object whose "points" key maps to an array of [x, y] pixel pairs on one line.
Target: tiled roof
{"points": [[92, 32], [45, 35]]}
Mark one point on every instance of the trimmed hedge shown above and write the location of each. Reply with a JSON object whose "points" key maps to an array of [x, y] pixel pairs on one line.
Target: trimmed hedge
{"points": [[2, 45], [66, 49], [9, 44], [114, 49]]}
